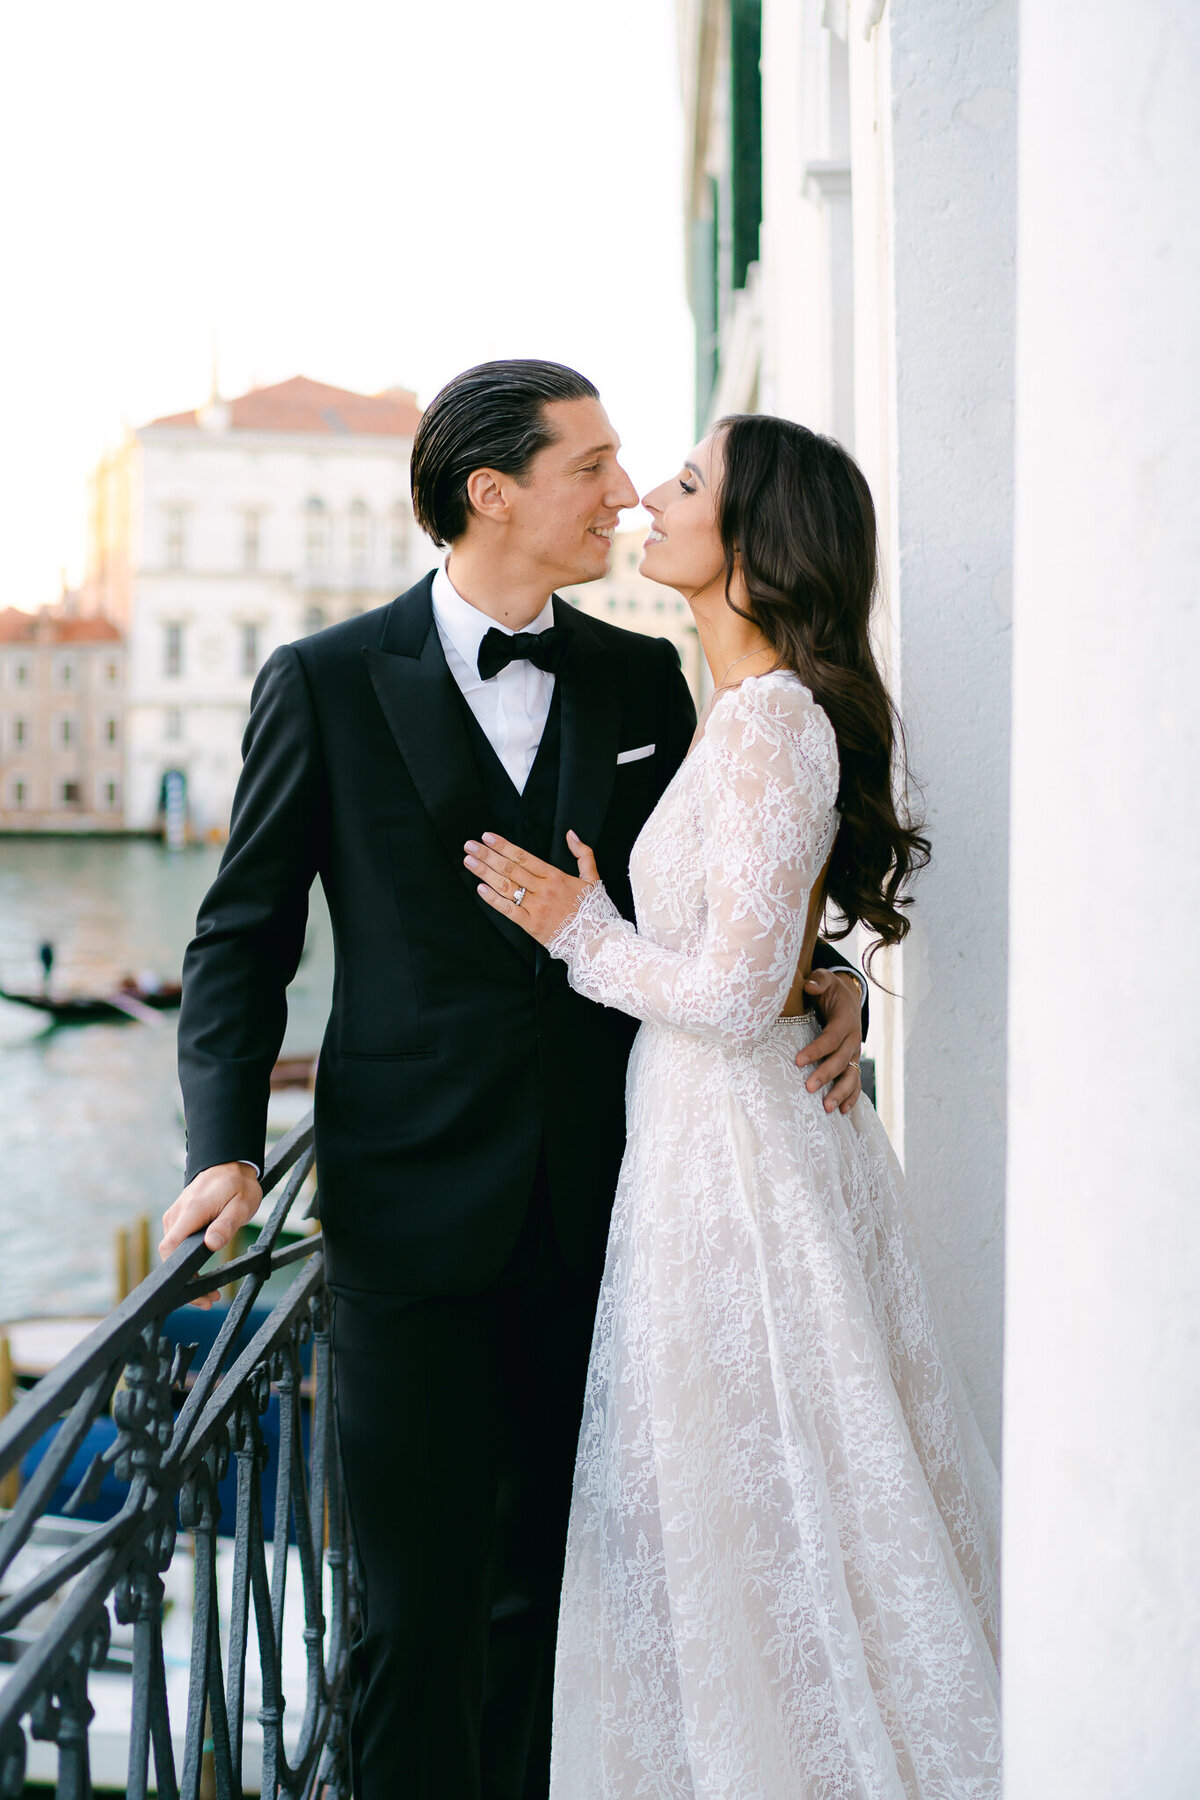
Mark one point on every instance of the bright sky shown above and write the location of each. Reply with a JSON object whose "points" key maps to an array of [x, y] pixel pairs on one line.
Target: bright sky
{"points": [[378, 192]]}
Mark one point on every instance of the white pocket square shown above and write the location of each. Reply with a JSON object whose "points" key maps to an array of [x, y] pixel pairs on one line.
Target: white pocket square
{"points": [[636, 755]]}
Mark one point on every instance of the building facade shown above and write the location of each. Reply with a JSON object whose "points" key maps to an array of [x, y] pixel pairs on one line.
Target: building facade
{"points": [[219, 534], [625, 597], [62, 725], [851, 238]]}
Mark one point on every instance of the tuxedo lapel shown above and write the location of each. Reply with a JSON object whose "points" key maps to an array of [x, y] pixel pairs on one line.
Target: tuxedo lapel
{"points": [[591, 718], [420, 700]]}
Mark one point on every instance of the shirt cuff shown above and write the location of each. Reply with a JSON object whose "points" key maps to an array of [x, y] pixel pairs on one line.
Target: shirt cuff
{"points": [[247, 1164]]}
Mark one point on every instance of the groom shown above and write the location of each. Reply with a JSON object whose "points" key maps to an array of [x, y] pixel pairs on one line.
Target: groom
{"points": [[469, 1106]]}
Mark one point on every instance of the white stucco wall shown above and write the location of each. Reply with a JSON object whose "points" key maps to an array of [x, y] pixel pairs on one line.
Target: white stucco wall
{"points": [[1102, 1530], [951, 175]]}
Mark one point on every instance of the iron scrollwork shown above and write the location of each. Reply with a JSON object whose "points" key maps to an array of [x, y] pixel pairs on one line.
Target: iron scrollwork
{"points": [[271, 1600]]}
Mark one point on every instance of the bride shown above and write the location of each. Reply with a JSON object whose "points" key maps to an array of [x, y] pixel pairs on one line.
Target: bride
{"points": [[780, 1579]]}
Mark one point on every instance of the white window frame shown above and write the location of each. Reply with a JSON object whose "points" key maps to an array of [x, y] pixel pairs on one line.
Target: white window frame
{"points": [[175, 536], [250, 648], [173, 649], [315, 547], [358, 535], [400, 530], [252, 520]]}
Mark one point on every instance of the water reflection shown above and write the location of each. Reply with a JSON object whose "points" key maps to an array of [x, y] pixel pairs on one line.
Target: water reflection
{"points": [[91, 1130]]}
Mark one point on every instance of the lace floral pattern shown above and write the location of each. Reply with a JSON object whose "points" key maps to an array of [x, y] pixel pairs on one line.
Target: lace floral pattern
{"points": [[780, 1579], [719, 936]]}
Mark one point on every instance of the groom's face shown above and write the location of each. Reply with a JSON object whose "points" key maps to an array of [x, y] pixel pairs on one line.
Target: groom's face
{"points": [[565, 511]]}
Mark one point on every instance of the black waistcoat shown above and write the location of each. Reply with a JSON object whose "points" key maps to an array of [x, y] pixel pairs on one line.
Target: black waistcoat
{"points": [[525, 818]]}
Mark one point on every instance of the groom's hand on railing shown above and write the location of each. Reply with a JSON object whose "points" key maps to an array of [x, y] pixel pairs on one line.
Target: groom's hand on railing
{"points": [[835, 1053], [217, 1201]]}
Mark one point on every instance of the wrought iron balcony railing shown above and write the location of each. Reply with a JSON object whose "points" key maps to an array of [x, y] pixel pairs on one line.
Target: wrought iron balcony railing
{"points": [[180, 1438]]}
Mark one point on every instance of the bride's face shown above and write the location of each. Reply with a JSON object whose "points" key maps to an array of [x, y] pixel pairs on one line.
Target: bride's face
{"points": [[683, 550]]}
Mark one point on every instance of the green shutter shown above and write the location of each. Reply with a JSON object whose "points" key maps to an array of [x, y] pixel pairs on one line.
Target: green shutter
{"points": [[745, 54], [704, 305]]}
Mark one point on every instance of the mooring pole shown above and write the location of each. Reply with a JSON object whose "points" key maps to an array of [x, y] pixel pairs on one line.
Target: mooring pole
{"points": [[10, 1483]]}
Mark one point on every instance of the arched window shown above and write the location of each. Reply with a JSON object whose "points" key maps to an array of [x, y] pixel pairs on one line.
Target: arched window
{"points": [[316, 534], [400, 522], [360, 535]]}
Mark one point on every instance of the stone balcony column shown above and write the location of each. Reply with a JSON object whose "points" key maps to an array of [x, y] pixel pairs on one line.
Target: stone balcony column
{"points": [[1102, 1411]]}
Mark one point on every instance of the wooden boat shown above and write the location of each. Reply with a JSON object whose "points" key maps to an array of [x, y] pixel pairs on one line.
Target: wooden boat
{"points": [[129, 1001], [36, 1345]]}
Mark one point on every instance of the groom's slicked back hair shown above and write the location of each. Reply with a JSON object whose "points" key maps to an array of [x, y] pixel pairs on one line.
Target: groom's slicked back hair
{"points": [[489, 417]]}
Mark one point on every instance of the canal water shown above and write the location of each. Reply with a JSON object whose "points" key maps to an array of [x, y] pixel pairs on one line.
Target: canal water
{"points": [[91, 1125]]}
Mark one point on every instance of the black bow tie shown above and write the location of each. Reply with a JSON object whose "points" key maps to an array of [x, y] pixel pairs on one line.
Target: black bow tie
{"points": [[544, 649]]}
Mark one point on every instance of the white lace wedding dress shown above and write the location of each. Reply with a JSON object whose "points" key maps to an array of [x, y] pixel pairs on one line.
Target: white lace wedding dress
{"points": [[780, 1576]]}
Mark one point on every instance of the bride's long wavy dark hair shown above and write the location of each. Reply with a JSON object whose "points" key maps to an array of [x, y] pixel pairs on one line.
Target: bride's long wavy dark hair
{"points": [[796, 516]]}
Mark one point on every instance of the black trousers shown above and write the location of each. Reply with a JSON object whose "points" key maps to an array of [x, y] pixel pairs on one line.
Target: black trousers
{"points": [[458, 1421]]}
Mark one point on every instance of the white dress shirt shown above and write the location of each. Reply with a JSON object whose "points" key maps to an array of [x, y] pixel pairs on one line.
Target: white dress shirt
{"points": [[513, 706]]}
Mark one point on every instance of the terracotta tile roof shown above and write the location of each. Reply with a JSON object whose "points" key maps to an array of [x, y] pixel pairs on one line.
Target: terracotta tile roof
{"points": [[304, 405], [93, 630], [18, 627]]}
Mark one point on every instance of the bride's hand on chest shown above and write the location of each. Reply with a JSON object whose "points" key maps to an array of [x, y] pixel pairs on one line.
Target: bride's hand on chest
{"points": [[533, 894]]}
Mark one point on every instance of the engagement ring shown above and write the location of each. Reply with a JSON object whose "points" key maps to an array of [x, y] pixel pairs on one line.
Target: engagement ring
{"points": [[519, 895]]}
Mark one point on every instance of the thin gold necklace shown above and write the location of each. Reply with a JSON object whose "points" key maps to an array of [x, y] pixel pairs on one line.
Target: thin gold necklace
{"points": [[720, 688]]}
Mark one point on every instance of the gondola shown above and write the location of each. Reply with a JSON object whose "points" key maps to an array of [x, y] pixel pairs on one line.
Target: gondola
{"points": [[129, 1001]]}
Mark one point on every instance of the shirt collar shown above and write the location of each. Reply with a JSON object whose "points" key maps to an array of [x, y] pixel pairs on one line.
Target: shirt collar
{"points": [[465, 625]]}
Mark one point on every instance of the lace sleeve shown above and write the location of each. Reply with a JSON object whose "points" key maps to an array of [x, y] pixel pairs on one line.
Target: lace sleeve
{"points": [[769, 787]]}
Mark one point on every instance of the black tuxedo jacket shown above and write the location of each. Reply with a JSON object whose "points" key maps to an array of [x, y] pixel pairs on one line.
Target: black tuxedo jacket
{"points": [[455, 1052]]}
